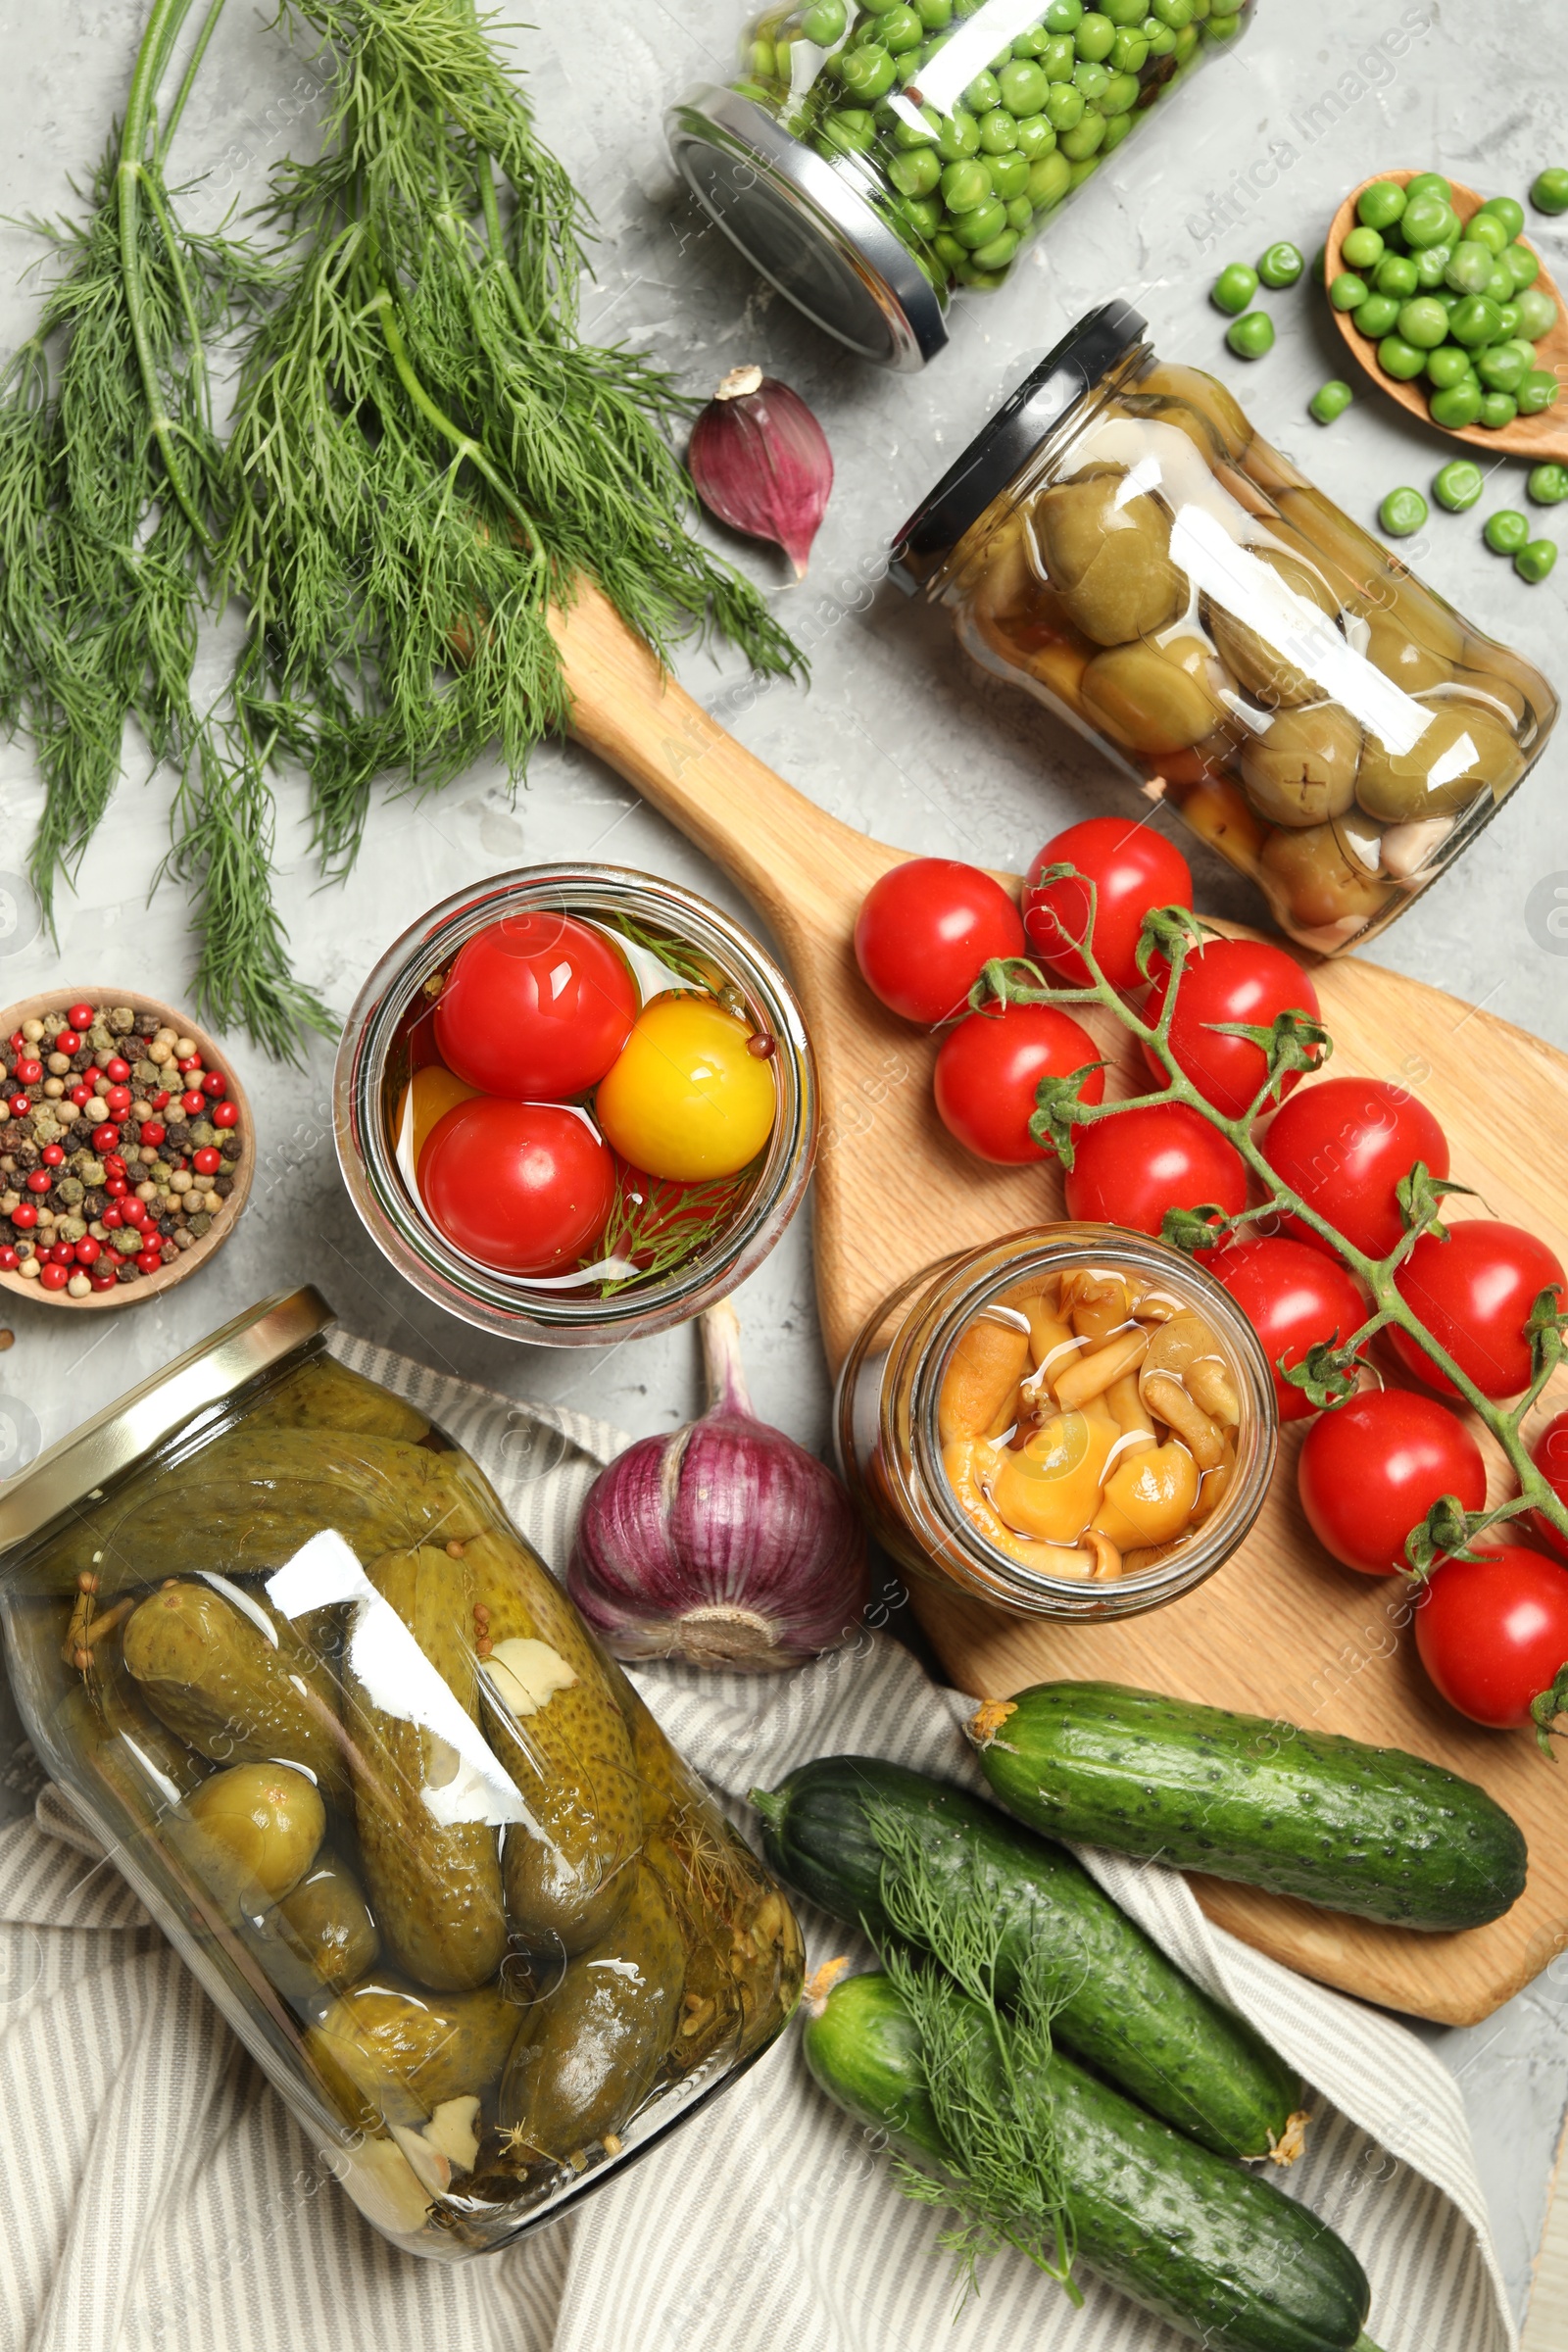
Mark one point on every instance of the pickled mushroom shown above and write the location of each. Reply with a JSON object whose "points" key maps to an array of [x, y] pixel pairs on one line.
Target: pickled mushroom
{"points": [[1303, 770], [1107, 555]]}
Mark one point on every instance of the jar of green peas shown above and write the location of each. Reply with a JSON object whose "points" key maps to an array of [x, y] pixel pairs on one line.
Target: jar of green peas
{"points": [[874, 155]]}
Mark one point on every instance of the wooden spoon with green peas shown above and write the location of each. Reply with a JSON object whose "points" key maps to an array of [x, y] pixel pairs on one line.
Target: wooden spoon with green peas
{"points": [[1414, 380]]}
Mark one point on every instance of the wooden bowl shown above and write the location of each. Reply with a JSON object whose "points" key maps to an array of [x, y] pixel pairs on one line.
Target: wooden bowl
{"points": [[146, 1286], [1536, 438]]}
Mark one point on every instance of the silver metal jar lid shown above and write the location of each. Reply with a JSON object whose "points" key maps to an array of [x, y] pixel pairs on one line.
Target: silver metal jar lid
{"points": [[82, 1465], [800, 223]]}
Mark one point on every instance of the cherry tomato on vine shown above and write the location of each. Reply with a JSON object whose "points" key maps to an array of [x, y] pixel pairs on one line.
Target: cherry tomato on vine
{"points": [[523, 1187], [1342, 1143], [1493, 1633], [990, 1068], [1133, 868], [923, 932], [1473, 1293], [1548, 1450], [1293, 1297], [1371, 1470], [1128, 1170], [537, 1007], [1228, 980]]}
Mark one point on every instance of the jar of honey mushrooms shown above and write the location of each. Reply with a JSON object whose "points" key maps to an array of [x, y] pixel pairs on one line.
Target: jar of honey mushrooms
{"points": [[1075, 1421], [1120, 543], [413, 1831]]}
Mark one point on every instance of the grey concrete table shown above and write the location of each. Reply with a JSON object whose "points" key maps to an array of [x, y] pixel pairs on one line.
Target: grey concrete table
{"points": [[895, 735]]}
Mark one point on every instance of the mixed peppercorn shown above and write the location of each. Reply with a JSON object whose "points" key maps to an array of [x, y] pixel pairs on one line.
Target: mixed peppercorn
{"points": [[118, 1149]]}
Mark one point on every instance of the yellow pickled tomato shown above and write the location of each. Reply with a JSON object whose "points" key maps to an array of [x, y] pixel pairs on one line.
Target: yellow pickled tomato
{"points": [[435, 1090], [1150, 1497], [687, 1099], [1050, 1488]]}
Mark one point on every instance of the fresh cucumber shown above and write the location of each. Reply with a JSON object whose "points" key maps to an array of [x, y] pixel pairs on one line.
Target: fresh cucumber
{"points": [[1126, 2009], [1366, 1829], [1216, 2251]]}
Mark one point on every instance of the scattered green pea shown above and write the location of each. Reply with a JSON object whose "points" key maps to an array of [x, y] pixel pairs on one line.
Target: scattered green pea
{"points": [[1347, 291], [1458, 484], [1547, 484], [1497, 409], [1252, 336], [1401, 512], [1234, 287], [1396, 274], [1361, 248], [1548, 191], [1506, 531], [1381, 204], [1538, 391], [1376, 317], [1508, 212], [1331, 400], [1535, 560], [1280, 265], [1400, 359], [1320, 264]]}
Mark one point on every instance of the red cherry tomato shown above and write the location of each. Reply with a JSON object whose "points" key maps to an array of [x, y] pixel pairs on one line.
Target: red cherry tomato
{"points": [[990, 1068], [1473, 1293], [1343, 1144], [1131, 867], [537, 1007], [79, 1017], [1548, 1450], [524, 1186], [1293, 1297], [224, 1115], [1229, 980], [1493, 1633], [52, 1278], [1371, 1470], [925, 930], [1128, 1170]]}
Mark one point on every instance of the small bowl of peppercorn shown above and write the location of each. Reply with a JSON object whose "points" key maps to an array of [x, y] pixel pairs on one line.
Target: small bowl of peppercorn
{"points": [[126, 1148]]}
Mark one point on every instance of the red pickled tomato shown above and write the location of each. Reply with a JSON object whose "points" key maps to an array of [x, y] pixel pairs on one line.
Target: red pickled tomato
{"points": [[1342, 1143], [989, 1070], [80, 1016], [1548, 1450], [537, 1007], [923, 932], [1133, 868], [1128, 1170], [226, 1114], [1493, 1633], [523, 1187], [1293, 1297], [1473, 1293], [1372, 1468], [1228, 980]]}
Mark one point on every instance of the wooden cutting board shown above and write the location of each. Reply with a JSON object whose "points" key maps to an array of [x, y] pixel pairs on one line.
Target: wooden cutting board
{"points": [[1281, 1631]]}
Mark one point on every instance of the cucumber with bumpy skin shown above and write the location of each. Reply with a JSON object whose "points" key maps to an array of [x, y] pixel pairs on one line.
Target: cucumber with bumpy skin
{"points": [[1367, 1829], [1125, 2008], [1216, 2251]]}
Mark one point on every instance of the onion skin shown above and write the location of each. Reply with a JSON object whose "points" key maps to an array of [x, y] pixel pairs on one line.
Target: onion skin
{"points": [[725, 1544]]}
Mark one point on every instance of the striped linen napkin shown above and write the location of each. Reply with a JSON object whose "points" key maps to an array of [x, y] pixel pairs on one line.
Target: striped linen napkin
{"points": [[156, 2195]]}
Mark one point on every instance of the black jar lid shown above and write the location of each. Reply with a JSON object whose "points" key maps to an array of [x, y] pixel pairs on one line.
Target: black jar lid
{"points": [[1099, 341]]}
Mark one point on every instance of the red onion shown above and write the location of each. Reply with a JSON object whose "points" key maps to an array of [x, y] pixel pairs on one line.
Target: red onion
{"points": [[724, 1544], [762, 463]]}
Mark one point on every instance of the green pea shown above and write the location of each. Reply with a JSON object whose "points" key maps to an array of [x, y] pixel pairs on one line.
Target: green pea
{"points": [[1093, 38], [1177, 14], [1537, 313], [946, 245], [1425, 222], [1485, 228], [1522, 265], [999, 250], [1423, 322], [1319, 266], [1449, 364], [1250, 338], [1085, 167], [1505, 210], [1092, 79], [1428, 183], [1080, 144], [923, 133], [1348, 292], [1129, 51], [1396, 274], [982, 94], [965, 185], [1458, 484], [1058, 57], [1547, 484], [1330, 400], [1508, 313], [1497, 409], [1506, 531], [899, 31], [1280, 265], [917, 173], [1009, 175], [1234, 287], [1548, 190], [1161, 38], [998, 133], [867, 71], [1035, 137], [1123, 13], [1500, 369], [824, 22], [1361, 248], [1538, 391], [1431, 264], [1048, 181], [1456, 405], [1116, 129], [1470, 266], [1524, 347], [849, 130], [1533, 561], [924, 214], [959, 136], [1064, 107], [1400, 359], [1380, 204], [977, 227], [1499, 286], [1023, 86], [1403, 512], [1376, 318], [1475, 322], [1033, 43]]}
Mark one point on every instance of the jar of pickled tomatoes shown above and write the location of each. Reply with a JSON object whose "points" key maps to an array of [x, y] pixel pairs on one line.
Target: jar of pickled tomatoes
{"points": [[1073, 1421], [1120, 543]]}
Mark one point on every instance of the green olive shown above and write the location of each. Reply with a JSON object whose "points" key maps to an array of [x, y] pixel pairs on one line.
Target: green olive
{"points": [[1461, 752], [1167, 380], [1260, 667], [1152, 697], [1400, 657], [1109, 560], [1315, 883], [251, 1834], [1303, 770]]}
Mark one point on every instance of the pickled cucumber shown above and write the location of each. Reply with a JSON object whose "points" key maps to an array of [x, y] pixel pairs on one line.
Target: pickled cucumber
{"points": [[325, 1394], [323, 1934], [557, 1727], [388, 2051], [588, 2054], [236, 1693], [435, 1888], [249, 1835]]}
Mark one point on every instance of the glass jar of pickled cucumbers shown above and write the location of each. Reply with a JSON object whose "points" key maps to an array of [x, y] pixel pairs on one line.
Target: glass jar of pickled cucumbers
{"points": [[356, 1753], [1072, 1422], [875, 154], [1120, 543]]}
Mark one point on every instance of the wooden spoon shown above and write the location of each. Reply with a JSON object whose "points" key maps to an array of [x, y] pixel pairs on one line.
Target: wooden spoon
{"points": [[1536, 438]]}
